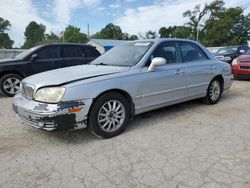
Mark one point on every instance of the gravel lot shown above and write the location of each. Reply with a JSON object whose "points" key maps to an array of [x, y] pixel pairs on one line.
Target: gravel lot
{"points": [[186, 145]]}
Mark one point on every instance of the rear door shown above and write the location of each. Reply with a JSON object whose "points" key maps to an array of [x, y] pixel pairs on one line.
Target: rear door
{"points": [[48, 58], [73, 55], [199, 69]]}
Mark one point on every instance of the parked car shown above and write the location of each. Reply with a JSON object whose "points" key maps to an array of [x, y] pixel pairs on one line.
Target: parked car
{"points": [[130, 79], [241, 66], [40, 59], [228, 54]]}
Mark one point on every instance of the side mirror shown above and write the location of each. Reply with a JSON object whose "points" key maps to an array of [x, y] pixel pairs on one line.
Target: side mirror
{"points": [[157, 61], [242, 52], [33, 57]]}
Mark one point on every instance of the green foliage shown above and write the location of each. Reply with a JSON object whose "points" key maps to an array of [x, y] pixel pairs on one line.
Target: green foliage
{"points": [[133, 37], [175, 32], [73, 34], [215, 25], [150, 34], [4, 25], [51, 39], [34, 34], [5, 41], [112, 31]]}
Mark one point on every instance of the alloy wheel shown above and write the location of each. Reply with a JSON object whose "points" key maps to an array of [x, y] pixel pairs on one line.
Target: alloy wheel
{"points": [[111, 116]]}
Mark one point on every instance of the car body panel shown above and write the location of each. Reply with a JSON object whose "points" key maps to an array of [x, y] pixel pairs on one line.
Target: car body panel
{"points": [[148, 90], [229, 57], [242, 68], [26, 67]]}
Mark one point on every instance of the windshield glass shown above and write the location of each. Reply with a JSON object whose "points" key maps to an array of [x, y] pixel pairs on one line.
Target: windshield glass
{"points": [[228, 50], [25, 53], [128, 54]]}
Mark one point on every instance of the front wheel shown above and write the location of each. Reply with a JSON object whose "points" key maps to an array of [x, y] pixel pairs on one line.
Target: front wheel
{"points": [[109, 115], [10, 84], [214, 92]]}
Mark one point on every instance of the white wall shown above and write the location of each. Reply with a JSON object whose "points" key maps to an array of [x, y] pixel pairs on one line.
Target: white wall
{"points": [[9, 53], [98, 47]]}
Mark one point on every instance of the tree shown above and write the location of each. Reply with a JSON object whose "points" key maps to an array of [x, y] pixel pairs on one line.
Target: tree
{"points": [[73, 34], [34, 34], [150, 34], [50, 39], [215, 25], [110, 31], [5, 41], [133, 37], [175, 32], [198, 16]]}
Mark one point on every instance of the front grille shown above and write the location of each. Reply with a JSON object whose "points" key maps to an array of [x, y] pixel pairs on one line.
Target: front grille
{"points": [[245, 67], [28, 91]]}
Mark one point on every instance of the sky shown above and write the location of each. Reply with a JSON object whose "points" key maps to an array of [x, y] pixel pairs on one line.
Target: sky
{"points": [[133, 16]]}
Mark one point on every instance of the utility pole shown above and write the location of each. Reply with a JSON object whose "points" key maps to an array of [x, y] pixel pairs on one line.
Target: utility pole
{"points": [[198, 30], [88, 32]]}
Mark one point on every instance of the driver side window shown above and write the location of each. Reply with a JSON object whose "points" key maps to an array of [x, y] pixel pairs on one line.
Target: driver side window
{"points": [[49, 52], [167, 50]]}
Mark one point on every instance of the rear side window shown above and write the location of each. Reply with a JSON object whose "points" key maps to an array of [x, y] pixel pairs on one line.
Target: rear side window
{"points": [[191, 52], [72, 51], [91, 52], [49, 52]]}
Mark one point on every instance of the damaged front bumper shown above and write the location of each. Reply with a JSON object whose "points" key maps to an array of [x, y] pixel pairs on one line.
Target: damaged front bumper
{"points": [[61, 116]]}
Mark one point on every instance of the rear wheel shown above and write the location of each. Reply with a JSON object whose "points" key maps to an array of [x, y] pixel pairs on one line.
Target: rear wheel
{"points": [[214, 92], [109, 115], [10, 84]]}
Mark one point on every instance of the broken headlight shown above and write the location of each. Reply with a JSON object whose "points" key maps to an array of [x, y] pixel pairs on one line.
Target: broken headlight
{"points": [[50, 94]]}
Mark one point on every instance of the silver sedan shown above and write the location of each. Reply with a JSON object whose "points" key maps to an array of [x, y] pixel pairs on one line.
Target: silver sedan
{"points": [[130, 79]]}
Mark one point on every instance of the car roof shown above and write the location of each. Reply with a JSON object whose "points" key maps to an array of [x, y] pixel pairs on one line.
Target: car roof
{"points": [[164, 39], [66, 44]]}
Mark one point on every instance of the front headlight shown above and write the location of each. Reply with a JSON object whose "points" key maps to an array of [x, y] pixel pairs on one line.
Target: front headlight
{"points": [[50, 94], [235, 62]]}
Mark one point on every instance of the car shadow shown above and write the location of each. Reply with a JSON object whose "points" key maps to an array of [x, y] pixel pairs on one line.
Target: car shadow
{"points": [[141, 121]]}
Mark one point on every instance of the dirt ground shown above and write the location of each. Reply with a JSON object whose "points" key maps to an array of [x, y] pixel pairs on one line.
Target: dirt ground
{"points": [[185, 145]]}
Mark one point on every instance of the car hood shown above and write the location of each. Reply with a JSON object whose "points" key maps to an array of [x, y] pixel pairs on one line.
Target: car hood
{"points": [[243, 58], [71, 74], [224, 54], [7, 61]]}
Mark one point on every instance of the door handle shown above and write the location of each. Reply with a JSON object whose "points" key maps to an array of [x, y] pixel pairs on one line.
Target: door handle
{"points": [[212, 67], [179, 71]]}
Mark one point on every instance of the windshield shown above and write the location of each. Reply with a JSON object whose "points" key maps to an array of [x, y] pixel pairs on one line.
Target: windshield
{"points": [[25, 53], [128, 54], [228, 50]]}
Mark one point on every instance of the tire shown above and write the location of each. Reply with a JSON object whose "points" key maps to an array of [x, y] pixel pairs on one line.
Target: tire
{"points": [[109, 115], [214, 92], [10, 84]]}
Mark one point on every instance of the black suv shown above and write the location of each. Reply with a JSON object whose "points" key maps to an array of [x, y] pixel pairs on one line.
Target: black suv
{"points": [[39, 59], [228, 54]]}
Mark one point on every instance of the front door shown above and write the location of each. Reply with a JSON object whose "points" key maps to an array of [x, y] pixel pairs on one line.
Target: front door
{"points": [[48, 58], [166, 84]]}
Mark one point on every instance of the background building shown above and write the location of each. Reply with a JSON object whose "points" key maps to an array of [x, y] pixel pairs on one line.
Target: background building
{"points": [[103, 45]]}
